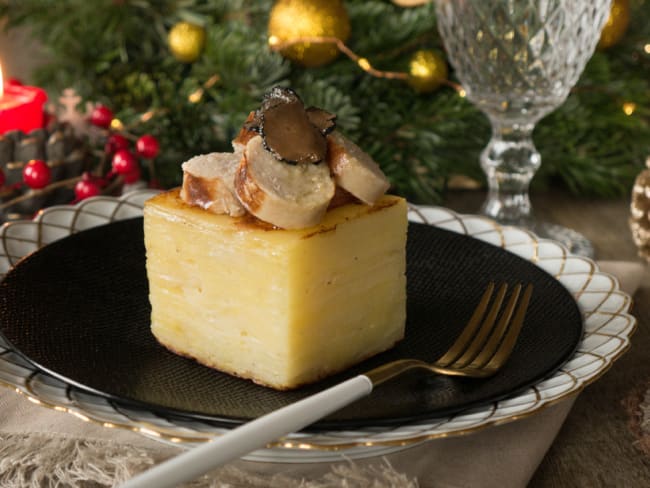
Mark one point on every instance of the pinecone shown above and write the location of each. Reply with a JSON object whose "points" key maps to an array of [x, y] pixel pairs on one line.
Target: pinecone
{"points": [[640, 212]]}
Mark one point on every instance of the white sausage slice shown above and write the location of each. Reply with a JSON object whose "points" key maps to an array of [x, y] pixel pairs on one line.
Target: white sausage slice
{"points": [[208, 182], [285, 195], [354, 170]]}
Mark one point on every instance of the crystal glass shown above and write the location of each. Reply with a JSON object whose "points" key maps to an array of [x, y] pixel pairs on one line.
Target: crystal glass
{"points": [[517, 61]]}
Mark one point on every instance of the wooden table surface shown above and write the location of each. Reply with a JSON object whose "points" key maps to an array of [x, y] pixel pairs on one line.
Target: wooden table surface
{"points": [[596, 446]]}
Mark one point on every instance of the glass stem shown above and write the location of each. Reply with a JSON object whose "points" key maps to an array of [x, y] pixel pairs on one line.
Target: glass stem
{"points": [[510, 161]]}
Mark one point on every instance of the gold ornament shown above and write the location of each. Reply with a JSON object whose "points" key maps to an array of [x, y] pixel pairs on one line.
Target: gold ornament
{"points": [[186, 41], [640, 212], [295, 19], [616, 25], [427, 71]]}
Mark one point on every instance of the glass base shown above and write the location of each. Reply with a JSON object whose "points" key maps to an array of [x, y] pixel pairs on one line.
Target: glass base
{"points": [[575, 242]]}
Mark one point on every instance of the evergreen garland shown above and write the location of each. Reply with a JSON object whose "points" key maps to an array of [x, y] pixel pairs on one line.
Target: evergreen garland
{"points": [[115, 52]]}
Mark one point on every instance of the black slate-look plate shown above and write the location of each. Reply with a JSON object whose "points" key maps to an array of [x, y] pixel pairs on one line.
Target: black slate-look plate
{"points": [[78, 309]]}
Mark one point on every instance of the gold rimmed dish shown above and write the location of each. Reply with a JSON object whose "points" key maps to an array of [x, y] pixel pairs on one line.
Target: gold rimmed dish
{"points": [[581, 276]]}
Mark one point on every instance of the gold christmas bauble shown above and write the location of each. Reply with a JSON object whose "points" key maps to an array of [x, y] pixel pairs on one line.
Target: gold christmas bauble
{"points": [[616, 25], [427, 71], [186, 41], [295, 19]]}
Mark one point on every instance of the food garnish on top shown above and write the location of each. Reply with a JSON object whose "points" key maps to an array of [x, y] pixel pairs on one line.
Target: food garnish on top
{"points": [[287, 165]]}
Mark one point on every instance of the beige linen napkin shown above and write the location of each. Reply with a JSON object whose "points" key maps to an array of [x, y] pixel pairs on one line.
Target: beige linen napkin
{"points": [[40, 447]]}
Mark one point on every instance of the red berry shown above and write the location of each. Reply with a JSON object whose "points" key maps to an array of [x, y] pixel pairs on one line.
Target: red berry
{"points": [[36, 174], [115, 142], [133, 176], [101, 116], [124, 162], [86, 189], [147, 146], [2, 178]]}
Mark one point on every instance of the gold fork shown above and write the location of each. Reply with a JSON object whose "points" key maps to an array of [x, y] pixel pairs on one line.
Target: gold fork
{"points": [[480, 351], [484, 345]]}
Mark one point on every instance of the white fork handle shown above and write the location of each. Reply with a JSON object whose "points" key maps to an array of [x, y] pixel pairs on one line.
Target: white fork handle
{"points": [[252, 435]]}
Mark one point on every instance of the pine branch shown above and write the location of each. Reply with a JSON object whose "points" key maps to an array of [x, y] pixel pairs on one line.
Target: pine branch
{"points": [[116, 52]]}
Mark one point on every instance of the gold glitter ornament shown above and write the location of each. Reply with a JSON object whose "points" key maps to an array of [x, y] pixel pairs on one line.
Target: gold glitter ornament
{"points": [[640, 212], [616, 25], [427, 71], [294, 19], [186, 41]]}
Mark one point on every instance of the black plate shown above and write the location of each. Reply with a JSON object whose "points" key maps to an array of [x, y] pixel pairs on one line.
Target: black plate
{"points": [[78, 309]]}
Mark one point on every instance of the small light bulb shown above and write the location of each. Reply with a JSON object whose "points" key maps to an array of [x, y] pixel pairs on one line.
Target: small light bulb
{"points": [[116, 124], [629, 108], [147, 116], [364, 64], [196, 96]]}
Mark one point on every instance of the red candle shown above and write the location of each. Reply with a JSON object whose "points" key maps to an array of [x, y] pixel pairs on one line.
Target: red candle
{"points": [[21, 107]]}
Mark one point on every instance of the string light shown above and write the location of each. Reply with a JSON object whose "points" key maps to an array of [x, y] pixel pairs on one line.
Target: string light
{"points": [[214, 79], [196, 96], [364, 64], [147, 116], [629, 108], [276, 45], [646, 48], [116, 124]]}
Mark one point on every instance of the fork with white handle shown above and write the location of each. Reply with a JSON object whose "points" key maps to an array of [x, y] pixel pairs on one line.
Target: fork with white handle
{"points": [[480, 351]]}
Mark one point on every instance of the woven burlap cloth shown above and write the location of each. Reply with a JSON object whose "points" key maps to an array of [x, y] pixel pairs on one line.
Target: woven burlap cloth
{"points": [[40, 447]]}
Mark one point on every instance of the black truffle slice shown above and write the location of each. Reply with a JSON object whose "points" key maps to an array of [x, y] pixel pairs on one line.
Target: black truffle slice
{"points": [[289, 134], [322, 119], [278, 95]]}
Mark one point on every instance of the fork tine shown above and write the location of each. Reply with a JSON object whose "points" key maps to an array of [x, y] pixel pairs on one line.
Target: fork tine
{"points": [[470, 329], [478, 341], [507, 345], [499, 339], [499, 331]]}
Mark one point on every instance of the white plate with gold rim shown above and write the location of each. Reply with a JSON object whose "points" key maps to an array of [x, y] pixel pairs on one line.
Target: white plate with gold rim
{"points": [[608, 327]]}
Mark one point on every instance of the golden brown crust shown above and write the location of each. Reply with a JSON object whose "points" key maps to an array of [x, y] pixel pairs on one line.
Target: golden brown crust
{"points": [[212, 190], [249, 193], [245, 134], [248, 220], [196, 190]]}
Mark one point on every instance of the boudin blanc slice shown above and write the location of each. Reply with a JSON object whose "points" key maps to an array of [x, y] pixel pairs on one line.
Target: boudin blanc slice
{"points": [[354, 170], [285, 195], [208, 182]]}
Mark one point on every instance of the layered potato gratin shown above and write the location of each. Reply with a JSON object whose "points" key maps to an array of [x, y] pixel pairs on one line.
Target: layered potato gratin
{"points": [[283, 261]]}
